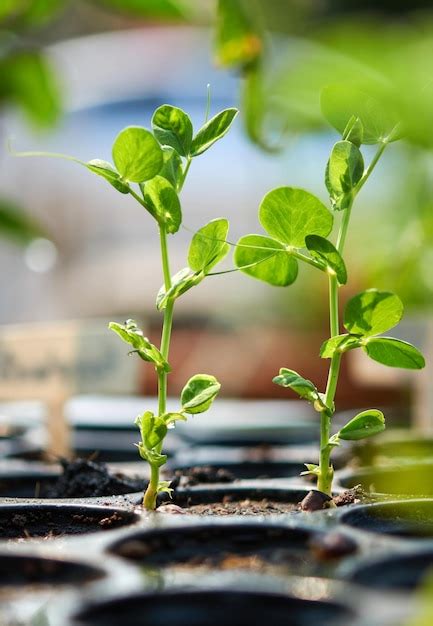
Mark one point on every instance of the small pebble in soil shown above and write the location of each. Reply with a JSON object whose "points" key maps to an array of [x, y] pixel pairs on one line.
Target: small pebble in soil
{"points": [[315, 501]]}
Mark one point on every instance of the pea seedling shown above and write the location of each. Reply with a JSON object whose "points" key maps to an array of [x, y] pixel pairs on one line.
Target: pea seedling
{"points": [[297, 224], [158, 162]]}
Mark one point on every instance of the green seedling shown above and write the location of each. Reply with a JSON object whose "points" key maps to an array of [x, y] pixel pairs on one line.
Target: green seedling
{"points": [[151, 166], [298, 228]]}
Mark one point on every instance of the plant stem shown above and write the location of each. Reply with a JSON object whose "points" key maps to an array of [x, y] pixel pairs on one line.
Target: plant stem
{"points": [[149, 499], [326, 472]]}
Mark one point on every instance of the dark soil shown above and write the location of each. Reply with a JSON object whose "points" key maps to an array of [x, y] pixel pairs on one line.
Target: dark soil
{"points": [[83, 478], [205, 474], [52, 521], [228, 506]]}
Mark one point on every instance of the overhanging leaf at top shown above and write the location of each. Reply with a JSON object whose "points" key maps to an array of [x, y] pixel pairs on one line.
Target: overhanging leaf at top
{"points": [[289, 215], [341, 102]]}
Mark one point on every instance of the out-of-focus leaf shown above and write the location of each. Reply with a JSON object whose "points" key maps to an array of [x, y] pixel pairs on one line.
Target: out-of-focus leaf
{"points": [[17, 226], [172, 9], [27, 79], [29, 12], [238, 38]]}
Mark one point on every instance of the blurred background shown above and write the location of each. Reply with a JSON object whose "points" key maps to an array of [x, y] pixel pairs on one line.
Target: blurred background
{"points": [[74, 73]]}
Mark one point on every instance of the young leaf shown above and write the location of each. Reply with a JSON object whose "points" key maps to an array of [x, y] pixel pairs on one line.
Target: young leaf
{"points": [[171, 418], [172, 166], [136, 154], [199, 393], [312, 469], [372, 312], [107, 171], [131, 334], [153, 431], [339, 342], [180, 283], [340, 102], [208, 246], [325, 252], [394, 353], [364, 425], [172, 127], [290, 214], [213, 130], [302, 386], [354, 131], [265, 259], [163, 203], [343, 171]]}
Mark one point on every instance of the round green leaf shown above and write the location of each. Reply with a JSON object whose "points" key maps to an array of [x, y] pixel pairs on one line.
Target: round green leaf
{"points": [[163, 203], [199, 393], [342, 102], [208, 246], [213, 130], [394, 353], [364, 425], [325, 252], [289, 215], [136, 154], [265, 259], [172, 127], [372, 312], [344, 170]]}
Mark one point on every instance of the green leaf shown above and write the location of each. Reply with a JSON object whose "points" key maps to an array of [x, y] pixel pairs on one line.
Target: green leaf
{"points": [[342, 102], [343, 171], [208, 246], [136, 154], [107, 171], [172, 166], [372, 312], [340, 343], [290, 214], [300, 385], [162, 201], [325, 252], [394, 353], [265, 259], [212, 131], [153, 431], [364, 425], [354, 131], [181, 282], [199, 393], [133, 335], [172, 127]]}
